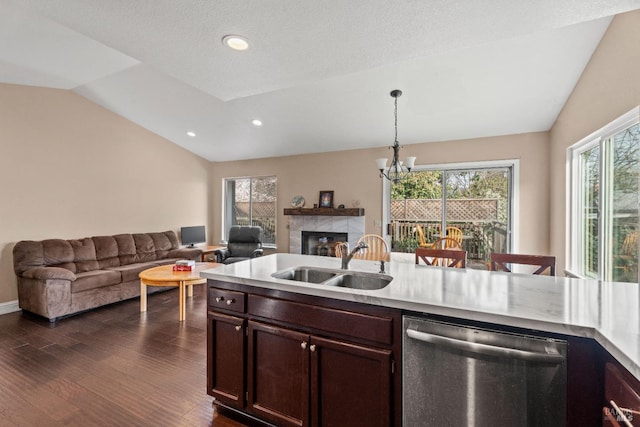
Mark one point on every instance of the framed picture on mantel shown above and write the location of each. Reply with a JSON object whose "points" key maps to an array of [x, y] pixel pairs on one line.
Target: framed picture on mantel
{"points": [[326, 199]]}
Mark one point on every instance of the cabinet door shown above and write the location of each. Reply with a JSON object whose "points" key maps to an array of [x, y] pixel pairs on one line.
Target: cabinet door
{"points": [[226, 357], [278, 375], [350, 384]]}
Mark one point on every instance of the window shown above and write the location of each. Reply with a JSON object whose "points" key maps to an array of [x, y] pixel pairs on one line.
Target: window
{"points": [[251, 201], [603, 211], [471, 200]]}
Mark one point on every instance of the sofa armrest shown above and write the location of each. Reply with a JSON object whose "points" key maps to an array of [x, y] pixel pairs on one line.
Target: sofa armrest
{"points": [[185, 253], [49, 273], [50, 298]]}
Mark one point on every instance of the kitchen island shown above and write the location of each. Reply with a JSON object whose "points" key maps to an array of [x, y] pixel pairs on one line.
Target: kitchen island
{"points": [[604, 312]]}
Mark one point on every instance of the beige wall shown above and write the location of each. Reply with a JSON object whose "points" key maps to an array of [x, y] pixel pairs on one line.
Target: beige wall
{"points": [[608, 88], [353, 176], [71, 169]]}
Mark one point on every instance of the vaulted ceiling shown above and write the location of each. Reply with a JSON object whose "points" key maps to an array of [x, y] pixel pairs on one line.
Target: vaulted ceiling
{"points": [[317, 74]]}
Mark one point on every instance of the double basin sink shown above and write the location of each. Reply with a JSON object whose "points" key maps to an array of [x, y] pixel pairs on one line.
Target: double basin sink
{"points": [[335, 277]]}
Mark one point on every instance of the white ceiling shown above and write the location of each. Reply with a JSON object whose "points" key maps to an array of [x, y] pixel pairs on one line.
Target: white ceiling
{"points": [[318, 74]]}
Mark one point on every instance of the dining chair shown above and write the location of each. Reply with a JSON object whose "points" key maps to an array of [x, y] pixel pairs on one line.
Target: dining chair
{"points": [[423, 242], [376, 250], [454, 233], [454, 258], [446, 243], [340, 249], [503, 262], [453, 236]]}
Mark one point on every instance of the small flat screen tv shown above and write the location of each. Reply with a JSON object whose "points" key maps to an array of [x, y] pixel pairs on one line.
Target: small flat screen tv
{"points": [[193, 235]]}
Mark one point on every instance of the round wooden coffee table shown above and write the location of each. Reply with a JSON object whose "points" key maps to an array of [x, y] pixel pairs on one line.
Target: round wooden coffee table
{"points": [[165, 276]]}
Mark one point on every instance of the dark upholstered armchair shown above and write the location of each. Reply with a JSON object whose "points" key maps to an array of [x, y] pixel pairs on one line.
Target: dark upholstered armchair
{"points": [[244, 243]]}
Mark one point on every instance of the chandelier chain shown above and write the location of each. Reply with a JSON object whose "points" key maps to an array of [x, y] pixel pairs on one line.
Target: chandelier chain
{"points": [[396, 118]]}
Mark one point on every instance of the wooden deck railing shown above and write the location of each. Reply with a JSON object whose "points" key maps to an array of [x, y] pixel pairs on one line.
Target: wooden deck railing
{"points": [[480, 238]]}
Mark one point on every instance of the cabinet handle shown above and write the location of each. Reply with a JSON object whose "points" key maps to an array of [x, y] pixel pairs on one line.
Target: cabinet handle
{"points": [[312, 347], [620, 415], [551, 355], [219, 299], [238, 327], [230, 301], [303, 344]]}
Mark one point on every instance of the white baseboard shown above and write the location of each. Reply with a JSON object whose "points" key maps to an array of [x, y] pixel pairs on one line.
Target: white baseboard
{"points": [[9, 307]]}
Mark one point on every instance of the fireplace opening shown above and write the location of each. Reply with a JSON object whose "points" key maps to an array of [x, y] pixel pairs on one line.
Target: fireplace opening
{"points": [[321, 242]]}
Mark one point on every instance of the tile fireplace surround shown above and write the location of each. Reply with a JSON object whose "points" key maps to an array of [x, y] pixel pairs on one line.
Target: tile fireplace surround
{"points": [[352, 225]]}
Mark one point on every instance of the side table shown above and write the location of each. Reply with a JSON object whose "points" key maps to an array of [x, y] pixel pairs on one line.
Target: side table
{"points": [[165, 276]]}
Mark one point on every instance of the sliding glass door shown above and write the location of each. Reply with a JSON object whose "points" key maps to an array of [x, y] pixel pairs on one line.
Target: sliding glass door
{"points": [[477, 202], [470, 202]]}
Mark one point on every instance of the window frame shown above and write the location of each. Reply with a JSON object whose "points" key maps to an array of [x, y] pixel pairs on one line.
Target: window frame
{"points": [[225, 206], [574, 239]]}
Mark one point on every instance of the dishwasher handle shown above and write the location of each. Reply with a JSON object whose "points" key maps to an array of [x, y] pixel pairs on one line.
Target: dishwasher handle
{"points": [[551, 355]]}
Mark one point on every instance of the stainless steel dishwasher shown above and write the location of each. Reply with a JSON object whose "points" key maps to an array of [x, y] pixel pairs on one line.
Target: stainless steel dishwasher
{"points": [[456, 375]]}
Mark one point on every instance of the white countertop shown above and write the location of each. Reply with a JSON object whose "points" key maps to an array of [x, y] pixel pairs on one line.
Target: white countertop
{"points": [[607, 312]]}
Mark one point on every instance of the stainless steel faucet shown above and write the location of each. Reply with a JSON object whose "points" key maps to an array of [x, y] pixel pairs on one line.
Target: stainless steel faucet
{"points": [[347, 258]]}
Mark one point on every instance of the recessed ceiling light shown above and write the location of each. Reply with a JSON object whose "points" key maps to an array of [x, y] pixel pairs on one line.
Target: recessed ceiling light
{"points": [[256, 122], [235, 42], [191, 134]]}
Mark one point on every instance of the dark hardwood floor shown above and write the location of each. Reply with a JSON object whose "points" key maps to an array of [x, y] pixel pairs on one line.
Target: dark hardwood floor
{"points": [[112, 366]]}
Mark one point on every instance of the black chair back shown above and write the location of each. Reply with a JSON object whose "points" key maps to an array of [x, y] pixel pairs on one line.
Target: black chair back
{"points": [[244, 240]]}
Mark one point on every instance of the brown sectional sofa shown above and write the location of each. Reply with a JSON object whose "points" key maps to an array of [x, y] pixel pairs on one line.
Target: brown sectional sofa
{"points": [[61, 277]]}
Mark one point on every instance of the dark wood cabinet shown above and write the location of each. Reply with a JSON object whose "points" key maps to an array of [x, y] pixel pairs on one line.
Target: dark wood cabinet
{"points": [[297, 360], [622, 395], [225, 358], [278, 375], [296, 379], [350, 384]]}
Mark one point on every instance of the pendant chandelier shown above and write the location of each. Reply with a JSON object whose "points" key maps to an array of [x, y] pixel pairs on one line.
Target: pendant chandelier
{"points": [[398, 170]]}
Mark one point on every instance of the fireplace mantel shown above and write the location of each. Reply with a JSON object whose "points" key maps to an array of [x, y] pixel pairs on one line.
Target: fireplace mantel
{"points": [[326, 211]]}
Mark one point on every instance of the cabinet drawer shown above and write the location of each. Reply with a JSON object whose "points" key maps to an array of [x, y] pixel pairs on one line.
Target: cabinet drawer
{"points": [[226, 300], [358, 325], [624, 391]]}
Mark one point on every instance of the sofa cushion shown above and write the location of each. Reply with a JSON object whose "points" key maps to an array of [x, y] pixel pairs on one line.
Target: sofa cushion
{"points": [[126, 248], [145, 250], [130, 272], [172, 238], [95, 279], [162, 243], [84, 254], [58, 253], [27, 254], [106, 251]]}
